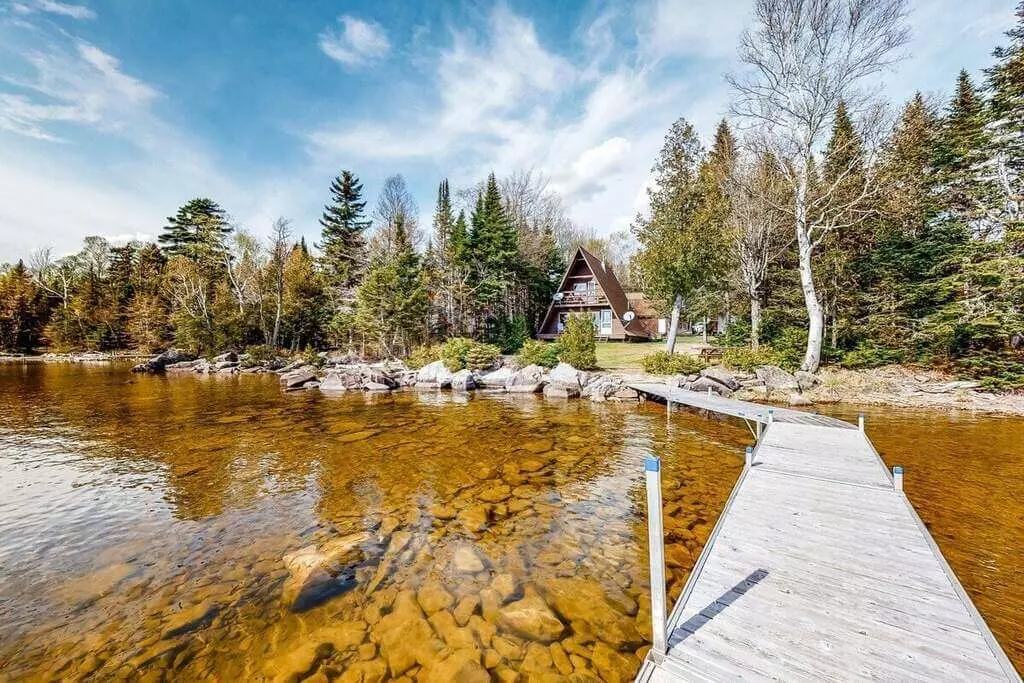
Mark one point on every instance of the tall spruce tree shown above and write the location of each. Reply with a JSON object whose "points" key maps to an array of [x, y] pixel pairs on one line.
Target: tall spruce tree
{"points": [[495, 245], [961, 156], [197, 231], [342, 239], [1005, 84]]}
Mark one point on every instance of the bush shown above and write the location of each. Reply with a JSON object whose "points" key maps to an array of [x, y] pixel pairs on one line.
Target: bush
{"points": [[579, 343], [748, 359], [536, 352], [459, 353], [995, 371], [868, 355], [665, 363], [790, 344], [259, 355], [421, 356], [508, 334]]}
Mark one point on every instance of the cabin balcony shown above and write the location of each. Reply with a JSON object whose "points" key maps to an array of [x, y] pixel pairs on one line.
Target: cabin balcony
{"points": [[581, 299]]}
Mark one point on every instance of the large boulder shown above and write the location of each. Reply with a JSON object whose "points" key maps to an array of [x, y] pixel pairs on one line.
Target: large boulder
{"points": [[183, 366], [531, 618], [559, 390], [159, 363], [722, 376], [434, 376], [496, 379], [608, 612], [567, 375], [463, 381], [227, 357], [806, 380], [777, 379], [702, 384], [528, 380], [357, 378], [314, 573], [601, 388], [299, 376]]}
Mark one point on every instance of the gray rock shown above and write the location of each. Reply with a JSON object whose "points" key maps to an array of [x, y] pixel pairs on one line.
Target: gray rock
{"points": [[159, 363], [357, 378], [463, 381], [313, 571], [559, 390], [722, 376], [225, 365], [567, 375], [751, 383], [183, 366], [528, 380], [806, 380], [228, 357], [799, 400], [496, 379], [298, 377], [777, 379], [434, 376], [702, 384], [202, 366]]}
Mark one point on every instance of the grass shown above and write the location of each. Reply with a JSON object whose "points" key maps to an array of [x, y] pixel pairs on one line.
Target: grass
{"points": [[622, 356]]}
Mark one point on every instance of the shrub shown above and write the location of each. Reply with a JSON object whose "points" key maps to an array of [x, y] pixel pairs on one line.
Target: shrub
{"points": [[665, 363], [421, 356], [536, 352], [508, 334], [258, 355], [747, 359], [579, 343], [459, 353], [868, 355], [995, 371]]}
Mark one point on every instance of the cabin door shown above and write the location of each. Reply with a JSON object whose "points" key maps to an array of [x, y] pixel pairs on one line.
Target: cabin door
{"points": [[604, 323]]}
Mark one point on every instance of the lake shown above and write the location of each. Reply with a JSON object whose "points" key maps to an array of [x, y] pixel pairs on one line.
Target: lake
{"points": [[150, 527]]}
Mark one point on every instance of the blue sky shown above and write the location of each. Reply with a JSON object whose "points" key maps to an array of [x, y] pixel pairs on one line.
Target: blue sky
{"points": [[114, 112]]}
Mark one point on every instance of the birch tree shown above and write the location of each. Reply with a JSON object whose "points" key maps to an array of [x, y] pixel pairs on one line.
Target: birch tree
{"points": [[280, 234], [803, 58]]}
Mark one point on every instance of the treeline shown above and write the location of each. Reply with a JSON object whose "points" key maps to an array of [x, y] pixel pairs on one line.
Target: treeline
{"points": [[487, 272], [830, 233]]}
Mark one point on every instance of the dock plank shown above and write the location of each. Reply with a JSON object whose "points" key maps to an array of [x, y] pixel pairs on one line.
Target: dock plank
{"points": [[819, 569]]}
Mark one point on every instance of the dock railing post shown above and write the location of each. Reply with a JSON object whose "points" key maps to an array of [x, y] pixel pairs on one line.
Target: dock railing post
{"points": [[750, 456], [758, 428], [897, 478], [771, 415], [860, 421], [656, 547]]}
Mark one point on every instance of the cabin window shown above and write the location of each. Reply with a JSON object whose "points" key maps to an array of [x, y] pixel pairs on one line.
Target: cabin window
{"points": [[562, 319]]}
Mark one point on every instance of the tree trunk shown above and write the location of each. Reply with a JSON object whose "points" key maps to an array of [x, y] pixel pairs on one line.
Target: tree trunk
{"points": [[706, 323], [673, 328], [755, 322], [815, 316]]}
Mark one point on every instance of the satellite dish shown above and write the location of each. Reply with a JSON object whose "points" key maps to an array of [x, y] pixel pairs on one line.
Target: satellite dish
{"points": [[629, 316], [558, 296]]}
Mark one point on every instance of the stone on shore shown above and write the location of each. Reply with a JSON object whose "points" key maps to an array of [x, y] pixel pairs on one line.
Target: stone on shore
{"points": [[227, 357], [702, 384], [463, 381], [777, 379], [495, 379], [159, 363], [806, 380], [296, 378], [528, 380], [434, 376], [797, 400], [722, 376], [560, 390], [567, 375], [357, 378]]}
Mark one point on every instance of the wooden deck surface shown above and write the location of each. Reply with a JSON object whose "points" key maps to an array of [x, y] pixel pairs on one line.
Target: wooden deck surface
{"points": [[820, 570], [755, 412]]}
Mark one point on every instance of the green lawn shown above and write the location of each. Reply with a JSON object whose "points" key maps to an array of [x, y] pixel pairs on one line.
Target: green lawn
{"points": [[620, 356]]}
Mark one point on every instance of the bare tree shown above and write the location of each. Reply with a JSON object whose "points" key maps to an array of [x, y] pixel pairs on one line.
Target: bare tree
{"points": [[56, 278], [759, 231], [393, 202], [805, 57], [280, 234]]}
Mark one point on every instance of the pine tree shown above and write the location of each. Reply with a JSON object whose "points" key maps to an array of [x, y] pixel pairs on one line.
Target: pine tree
{"points": [[342, 239], [196, 232], [1005, 83], [460, 245], [495, 248], [444, 224], [962, 151]]}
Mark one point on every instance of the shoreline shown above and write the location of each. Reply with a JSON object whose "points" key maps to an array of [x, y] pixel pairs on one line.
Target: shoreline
{"points": [[891, 386]]}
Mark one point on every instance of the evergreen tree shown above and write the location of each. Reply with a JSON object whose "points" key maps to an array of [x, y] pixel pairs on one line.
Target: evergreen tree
{"points": [[1005, 84], [444, 224], [962, 151], [460, 244], [342, 239], [495, 248], [196, 231], [22, 309]]}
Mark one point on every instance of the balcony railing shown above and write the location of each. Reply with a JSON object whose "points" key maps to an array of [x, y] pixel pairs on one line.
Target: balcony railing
{"points": [[580, 299]]}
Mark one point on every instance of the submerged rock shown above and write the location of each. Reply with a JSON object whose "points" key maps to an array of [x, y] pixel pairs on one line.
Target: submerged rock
{"points": [[605, 612], [531, 618], [467, 561], [313, 572]]}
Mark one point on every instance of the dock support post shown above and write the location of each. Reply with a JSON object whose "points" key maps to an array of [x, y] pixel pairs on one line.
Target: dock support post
{"points": [[860, 421], [750, 453], [758, 428], [897, 478], [771, 415], [656, 548], [668, 407]]}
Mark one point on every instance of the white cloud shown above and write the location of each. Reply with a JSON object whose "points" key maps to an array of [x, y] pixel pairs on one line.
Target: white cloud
{"points": [[357, 42], [53, 7]]}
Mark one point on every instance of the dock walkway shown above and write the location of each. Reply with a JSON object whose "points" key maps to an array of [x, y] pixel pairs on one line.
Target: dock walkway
{"points": [[820, 569]]}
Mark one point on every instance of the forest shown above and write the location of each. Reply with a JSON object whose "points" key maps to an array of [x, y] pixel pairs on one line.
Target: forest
{"points": [[831, 226]]}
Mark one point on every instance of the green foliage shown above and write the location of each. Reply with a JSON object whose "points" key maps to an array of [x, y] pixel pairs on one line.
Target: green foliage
{"points": [[747, 359], [422, 355], [257, 355], [579, 343], [537, 352], [341, 238], [197, 232], [459, 353], [997, 371], [508, 334], [867, 355], [665, 363]]}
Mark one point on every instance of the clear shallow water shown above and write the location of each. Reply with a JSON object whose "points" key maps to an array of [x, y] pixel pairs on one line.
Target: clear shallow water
{"points": [[144, 522]]}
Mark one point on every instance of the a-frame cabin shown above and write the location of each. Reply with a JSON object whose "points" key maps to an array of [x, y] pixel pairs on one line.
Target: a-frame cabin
{"points": [[590, 287]]}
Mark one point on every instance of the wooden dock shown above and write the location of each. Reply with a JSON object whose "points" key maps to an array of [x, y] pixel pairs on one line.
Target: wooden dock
{"points": [[818, 569]]}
